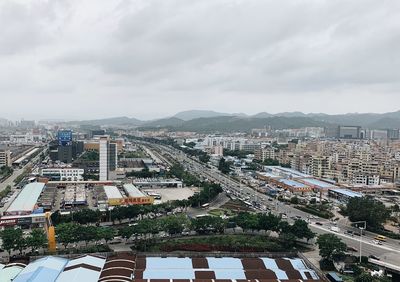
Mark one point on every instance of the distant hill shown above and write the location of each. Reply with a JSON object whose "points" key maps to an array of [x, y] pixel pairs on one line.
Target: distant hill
{"points": [[193, 114], [231, 124], [211, 121], [116, 121], [165, 122]]}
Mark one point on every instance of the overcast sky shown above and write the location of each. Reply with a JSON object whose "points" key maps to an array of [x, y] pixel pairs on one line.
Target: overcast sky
{"points": [[81, 59]]}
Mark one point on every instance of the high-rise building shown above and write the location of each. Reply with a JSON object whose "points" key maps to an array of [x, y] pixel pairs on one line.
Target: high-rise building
{"points": [[5, 157], [108, 157]]}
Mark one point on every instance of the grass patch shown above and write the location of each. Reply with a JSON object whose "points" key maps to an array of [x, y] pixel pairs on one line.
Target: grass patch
{"points": [[223, 243], [221, 212]]}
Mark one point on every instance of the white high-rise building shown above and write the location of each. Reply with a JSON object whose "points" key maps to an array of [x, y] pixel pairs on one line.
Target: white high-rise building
{"points": [[103, 158], [108, 158]]}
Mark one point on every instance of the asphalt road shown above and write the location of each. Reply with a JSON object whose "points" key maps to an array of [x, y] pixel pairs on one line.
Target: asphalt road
{"points": [[388, 252]]}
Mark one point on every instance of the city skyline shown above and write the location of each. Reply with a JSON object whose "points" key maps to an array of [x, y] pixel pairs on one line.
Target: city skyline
{"points": [[150, 59]]}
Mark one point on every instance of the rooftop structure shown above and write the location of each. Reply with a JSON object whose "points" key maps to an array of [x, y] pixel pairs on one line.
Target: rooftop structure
{"points": [[315, 183], [10, 271], [42, 270], [132, 191], [227, 268], [86, 269], [26, 199], [112, 192]]}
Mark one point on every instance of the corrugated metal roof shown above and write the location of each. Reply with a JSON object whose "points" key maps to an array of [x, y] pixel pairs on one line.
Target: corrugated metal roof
{"points": [[85, 269], [348, 193], [27, 198], [7, 274], [42, 270]]}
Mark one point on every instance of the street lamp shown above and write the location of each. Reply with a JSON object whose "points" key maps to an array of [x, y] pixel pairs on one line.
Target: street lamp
{"points": [[361, 231]]}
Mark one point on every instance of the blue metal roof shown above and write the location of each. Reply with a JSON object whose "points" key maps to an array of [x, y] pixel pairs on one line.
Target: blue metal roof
{"points": [[316, 182], [292, 183], [42, 270]]}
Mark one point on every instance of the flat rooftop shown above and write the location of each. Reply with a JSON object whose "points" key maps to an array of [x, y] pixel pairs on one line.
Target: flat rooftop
{"points": [[347, 192], [293, 183], [319, 183], [27, 198], [133, 191], [112, 192]]}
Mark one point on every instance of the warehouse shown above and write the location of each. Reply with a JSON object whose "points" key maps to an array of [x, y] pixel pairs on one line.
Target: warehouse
{"points": [[114, 196], [135, 196], [316, 184], [343, 195], [25, 203]]}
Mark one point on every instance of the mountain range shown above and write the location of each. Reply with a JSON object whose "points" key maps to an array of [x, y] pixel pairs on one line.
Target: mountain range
{"points": [[211, 121]]}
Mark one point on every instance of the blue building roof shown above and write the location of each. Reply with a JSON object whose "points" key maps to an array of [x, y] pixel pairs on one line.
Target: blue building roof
{"points": [[292, 183], [318, 183], [42, 270]]}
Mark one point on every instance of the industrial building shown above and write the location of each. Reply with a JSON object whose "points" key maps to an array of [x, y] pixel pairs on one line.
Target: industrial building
{"points": [[114, 196], [25, 202], [343, 195], [63, 174], [135, 196], [86, 268], [127, 267]]}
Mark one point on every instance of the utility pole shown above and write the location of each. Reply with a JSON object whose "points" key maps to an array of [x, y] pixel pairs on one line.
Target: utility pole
{"points": [[361, 232]]}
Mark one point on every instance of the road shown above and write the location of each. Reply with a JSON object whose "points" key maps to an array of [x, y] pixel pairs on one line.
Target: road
{"points": [[388, 252]]}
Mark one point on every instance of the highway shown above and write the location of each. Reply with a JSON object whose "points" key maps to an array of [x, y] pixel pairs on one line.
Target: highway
{"points": [[388, 252]]}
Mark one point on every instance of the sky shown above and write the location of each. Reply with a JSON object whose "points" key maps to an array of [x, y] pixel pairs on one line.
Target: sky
{"points": [[83, 59]]}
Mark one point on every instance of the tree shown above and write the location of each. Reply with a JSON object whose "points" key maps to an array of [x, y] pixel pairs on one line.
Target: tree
{"points": [[368, 209], [224, 166], [174, 224], [86, 233], [330, 246], [294, 200], [10, 238], [247, 221], [300, 230], [37, 239], [269, 222], [67, 233], [364, 277], [105, 233]]}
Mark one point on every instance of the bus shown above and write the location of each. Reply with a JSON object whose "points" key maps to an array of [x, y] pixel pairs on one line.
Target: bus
{"points": [[205, 206], [380, 238]]}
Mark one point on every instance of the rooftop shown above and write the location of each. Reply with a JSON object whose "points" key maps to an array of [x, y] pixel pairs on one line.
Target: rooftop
{"points": [[27, 198], [42, 270], [293, 183], [112, 192], [347, 192], [319, 183], [133, 191]]}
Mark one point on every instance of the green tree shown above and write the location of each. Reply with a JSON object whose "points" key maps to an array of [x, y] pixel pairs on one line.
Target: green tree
{"points": [[269, 222], [174, 224], [224, 166], [247, 221], [10, 238], [87, 233], [67, 233], [364, 277], [37, 239], [330, 246], [368, 209], [300, 230], [105, 233]]}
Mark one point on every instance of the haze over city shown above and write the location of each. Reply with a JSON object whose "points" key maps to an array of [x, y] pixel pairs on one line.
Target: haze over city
{"points": [[151, 59]]}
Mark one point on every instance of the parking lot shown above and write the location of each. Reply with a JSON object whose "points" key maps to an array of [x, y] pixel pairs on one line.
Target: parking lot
{"points": [[171, 194]]}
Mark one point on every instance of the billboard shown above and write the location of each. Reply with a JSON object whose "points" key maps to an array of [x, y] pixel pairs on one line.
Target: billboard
{"points": [[64, 137]]}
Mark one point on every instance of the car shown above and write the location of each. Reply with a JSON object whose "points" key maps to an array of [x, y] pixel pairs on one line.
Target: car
{"points": [[318, 223], [376, 242], [374, 257], [349, 232]]}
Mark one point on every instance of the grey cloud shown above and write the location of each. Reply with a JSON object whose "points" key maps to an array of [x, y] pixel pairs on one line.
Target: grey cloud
{"points": [[200, 52]]}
